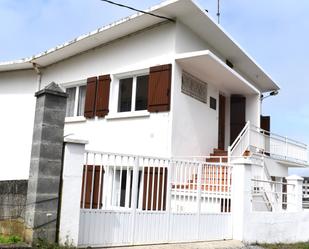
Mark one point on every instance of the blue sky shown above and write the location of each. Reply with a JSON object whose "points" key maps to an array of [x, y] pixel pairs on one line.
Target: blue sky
{"points": [[275, 33]]}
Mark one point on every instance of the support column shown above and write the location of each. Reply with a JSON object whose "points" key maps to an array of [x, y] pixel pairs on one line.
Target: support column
{"points": [[294, 193], [73, 161], [45, 164], [241, 196]]}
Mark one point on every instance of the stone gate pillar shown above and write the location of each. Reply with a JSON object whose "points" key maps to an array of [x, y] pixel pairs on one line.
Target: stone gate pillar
{"points": [[45, 164]]}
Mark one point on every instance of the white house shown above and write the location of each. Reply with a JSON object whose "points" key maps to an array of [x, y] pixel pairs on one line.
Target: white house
{"points": [[169, 88]]}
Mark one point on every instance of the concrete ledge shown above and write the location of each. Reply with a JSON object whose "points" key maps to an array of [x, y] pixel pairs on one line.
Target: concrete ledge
{"points": [[75, 141]]}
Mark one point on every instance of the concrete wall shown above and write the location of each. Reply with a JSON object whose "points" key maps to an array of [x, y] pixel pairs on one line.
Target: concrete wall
{"points": [[13, 199], [267, 227], [13, 196], [17, 104]]}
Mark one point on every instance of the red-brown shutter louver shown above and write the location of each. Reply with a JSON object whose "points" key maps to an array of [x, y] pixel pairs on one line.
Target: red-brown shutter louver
{"points": [[159, 88], [102, 99], [90, 97], [92, 192]]}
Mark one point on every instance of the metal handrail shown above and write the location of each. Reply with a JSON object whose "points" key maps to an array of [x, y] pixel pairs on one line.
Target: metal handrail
{"points": [[273, 182], [238, 138], [274, 135]]}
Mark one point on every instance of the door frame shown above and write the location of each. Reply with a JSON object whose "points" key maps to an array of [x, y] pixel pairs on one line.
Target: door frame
{"points": [[221, 122]]}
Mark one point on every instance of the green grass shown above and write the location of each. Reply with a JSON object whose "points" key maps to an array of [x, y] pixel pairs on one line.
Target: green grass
{"points": [[286, 246], [13, 239]]}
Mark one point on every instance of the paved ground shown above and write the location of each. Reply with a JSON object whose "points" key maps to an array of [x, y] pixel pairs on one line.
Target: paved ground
{"points": [[228, 244]]}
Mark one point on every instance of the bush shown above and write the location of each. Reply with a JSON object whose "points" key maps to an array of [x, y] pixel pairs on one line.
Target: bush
{"points": [[13, 239]]}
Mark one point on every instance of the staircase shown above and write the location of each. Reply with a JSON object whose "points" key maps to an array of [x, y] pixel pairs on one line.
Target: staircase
{"points": [[217, 155], [212, 178]]}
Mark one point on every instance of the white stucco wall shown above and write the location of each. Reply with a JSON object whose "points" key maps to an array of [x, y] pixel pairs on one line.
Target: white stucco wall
{"points": [[195, 124], [142, 135], [17, 104], [137, 51], [268, 227], [253, 109]]}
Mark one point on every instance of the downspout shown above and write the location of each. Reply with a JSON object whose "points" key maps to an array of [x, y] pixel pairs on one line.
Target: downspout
{"points": [[39, 73]]}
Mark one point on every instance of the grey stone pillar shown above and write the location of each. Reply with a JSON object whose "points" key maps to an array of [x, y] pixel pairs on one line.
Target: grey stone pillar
{"points": [[45, 165]]}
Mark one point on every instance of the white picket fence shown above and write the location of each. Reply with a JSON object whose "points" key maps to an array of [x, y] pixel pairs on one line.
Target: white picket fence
{"points": [[129, 199]]}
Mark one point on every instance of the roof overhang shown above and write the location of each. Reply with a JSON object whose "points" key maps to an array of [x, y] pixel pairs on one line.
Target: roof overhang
{"points": [[185, 11], [209, 68]]}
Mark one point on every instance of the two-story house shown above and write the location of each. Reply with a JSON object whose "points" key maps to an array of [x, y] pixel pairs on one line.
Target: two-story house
{"points": [[176, 87]]}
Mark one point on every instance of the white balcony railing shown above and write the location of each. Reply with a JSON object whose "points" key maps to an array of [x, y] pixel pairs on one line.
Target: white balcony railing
{"points": [[263, 142]]}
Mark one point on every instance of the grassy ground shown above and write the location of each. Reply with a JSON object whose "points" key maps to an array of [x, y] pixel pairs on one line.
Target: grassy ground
{"points": [[42, 244], [286, 246], [9, 239]]}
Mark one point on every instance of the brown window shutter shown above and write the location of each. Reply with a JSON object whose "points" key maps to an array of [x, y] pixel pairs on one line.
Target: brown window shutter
{"points": [[90, 97], [102, 99], [155, 184], [159, 88], [96, 193]]}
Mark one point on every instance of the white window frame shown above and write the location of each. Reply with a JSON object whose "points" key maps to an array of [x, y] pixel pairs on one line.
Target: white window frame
{"points": [[115, 95], [77, 85]]}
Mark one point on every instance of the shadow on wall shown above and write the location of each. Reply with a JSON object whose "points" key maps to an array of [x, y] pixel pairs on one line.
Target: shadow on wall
{"points": [[13, 195]]}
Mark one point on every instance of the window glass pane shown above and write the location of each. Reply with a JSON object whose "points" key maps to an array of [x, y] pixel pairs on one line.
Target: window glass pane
{"points": [[70, 101], [81, 100], [125, 95], [141, 100]]}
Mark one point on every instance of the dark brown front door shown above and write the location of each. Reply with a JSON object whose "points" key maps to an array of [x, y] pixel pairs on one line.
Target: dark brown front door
{"points": [[221, 123], [237, 116], [265, 123]]}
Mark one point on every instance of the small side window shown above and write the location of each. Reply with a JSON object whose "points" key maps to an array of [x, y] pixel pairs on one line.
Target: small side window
{"points": [[213, 103]]}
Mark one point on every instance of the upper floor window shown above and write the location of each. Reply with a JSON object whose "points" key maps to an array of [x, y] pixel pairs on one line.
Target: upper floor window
{"points": [[133, 93], [76, 101]]}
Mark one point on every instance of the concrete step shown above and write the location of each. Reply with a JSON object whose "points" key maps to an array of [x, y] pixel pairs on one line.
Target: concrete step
{"points": [[219, 151], [216, 160]]}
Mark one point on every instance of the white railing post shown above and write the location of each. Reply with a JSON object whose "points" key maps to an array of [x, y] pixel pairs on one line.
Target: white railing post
{"points": [[170, 171], [286, 147], [294, 193], [134, 196], [249, 134], [229, 155], [272, 196], [199, 194]]}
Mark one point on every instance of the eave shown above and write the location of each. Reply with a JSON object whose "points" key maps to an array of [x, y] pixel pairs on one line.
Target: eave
{"points": [[184, 11]]}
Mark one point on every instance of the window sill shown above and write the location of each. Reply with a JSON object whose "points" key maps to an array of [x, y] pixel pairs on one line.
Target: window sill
{"points": [[75, 119], [123, 115]]}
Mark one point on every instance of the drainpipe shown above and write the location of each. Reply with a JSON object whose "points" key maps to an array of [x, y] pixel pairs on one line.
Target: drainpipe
{"points": [[39, 79]]}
